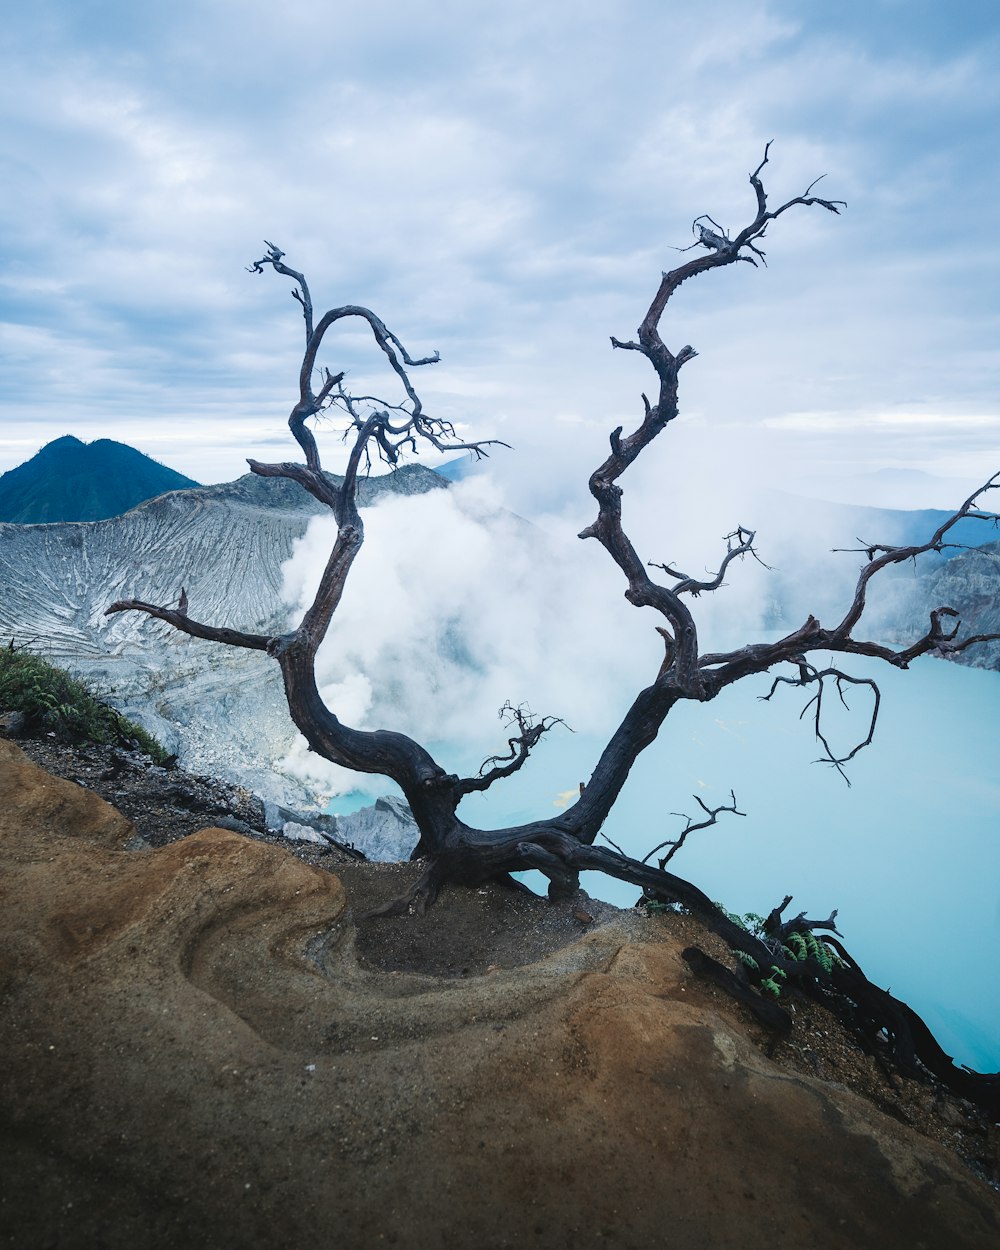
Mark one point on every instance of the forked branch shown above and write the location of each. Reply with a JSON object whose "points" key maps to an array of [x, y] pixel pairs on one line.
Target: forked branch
{"points": [[519, 746], [712, 815], [739, 543], [391, 428], [724, 668], [685, 672], [809, 675], [882, 557]]}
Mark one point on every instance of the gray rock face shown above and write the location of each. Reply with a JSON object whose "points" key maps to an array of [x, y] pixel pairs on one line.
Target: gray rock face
{"points": [[969, 583], [12, 724], [386, 831], [220, 709]]}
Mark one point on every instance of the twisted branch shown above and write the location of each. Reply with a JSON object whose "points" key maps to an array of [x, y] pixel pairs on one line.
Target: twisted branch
{"points": [[739, 543], [809, 675], [712, 815], [520, 745], [180, 620]]}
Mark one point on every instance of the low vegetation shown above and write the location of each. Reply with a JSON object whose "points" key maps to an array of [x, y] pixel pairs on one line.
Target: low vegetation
{"points": [[51, 701]]}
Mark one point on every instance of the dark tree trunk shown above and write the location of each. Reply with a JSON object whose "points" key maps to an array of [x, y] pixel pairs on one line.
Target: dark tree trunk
{"points": [[562, 846]]}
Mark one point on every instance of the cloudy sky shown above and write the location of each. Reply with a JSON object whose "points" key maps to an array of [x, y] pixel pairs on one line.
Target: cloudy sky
{"points": [[504, 183]]}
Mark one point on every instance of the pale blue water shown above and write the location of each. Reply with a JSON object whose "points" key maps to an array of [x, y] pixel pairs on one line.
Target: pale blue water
{"points": [[909, 854]]}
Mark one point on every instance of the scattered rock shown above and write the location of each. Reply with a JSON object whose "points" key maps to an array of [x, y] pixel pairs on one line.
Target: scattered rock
{"points": [[12, 724], [385, 831], [303, 833], [168, 804], [276, 816], [231, 822]]}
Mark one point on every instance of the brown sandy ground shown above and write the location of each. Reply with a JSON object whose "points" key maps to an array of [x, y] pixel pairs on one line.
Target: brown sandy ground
{"points": [[200, 1048]]}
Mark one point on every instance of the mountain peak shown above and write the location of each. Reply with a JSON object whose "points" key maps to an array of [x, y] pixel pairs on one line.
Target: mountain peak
{"points": [[68, 442], [69, 480]]}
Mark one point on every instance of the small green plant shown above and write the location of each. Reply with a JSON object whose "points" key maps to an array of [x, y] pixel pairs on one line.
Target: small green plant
{"points": [[731, 916], [750, 920], [772, 983], [746, 960], [797, 946], [52, 701], [801, 946]]}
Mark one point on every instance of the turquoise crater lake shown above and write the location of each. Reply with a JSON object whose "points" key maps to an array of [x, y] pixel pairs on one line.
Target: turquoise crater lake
{"points": [[909, 853]]}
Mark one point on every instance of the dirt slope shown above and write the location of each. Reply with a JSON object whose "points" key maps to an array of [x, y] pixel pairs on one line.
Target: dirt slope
{"points": [[197, 1050]]}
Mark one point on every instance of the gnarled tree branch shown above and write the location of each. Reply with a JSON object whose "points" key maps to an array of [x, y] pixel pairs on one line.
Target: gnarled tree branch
{"points": [[180, 620], [739, 543], [561, 846], [519, 746], [809, 675], [712, 815]]}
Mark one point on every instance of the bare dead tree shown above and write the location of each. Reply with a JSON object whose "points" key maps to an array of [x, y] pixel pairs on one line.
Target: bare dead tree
{"points": [[562, 846]]}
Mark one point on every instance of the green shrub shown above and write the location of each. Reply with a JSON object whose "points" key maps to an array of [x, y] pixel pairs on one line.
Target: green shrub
{"points": [[52, 701]]}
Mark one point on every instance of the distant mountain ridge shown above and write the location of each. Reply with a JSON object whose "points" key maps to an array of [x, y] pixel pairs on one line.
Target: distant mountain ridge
{"points": [[69, 480]]}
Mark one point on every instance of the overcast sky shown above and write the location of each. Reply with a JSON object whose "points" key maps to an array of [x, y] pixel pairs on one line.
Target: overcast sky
{"points": [[504, 183]]}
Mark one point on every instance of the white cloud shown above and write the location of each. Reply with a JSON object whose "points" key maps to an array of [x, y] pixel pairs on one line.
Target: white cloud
{"points": [[504, 186], [455, 607], [954, 423]]}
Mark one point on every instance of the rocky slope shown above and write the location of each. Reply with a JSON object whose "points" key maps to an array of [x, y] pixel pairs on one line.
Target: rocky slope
{"points": [[969, 583], [201, 1046], [221, 710], [165, 804]]}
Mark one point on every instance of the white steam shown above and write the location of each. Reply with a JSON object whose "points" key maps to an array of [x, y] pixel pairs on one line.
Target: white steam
{"points": [[456, 606]]}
